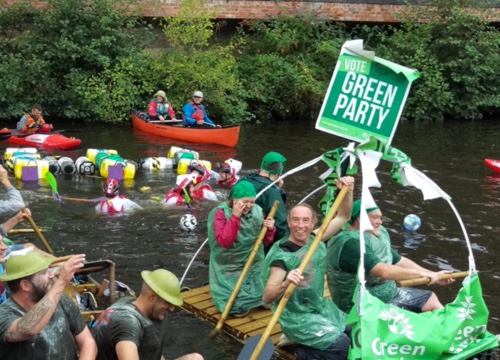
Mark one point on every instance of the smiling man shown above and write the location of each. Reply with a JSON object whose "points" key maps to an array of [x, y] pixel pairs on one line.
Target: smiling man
{"points": [[38, 322], [126, 329], [310, 320]]}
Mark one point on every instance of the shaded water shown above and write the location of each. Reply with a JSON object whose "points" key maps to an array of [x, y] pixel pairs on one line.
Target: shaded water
{"points": [[451, 154]]}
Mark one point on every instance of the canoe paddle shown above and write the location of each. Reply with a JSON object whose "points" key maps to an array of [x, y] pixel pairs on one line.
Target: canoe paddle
{"points": [[245, 270], [53, 184], [40, 235], [5, 136], [257, 352], [426, 280]]}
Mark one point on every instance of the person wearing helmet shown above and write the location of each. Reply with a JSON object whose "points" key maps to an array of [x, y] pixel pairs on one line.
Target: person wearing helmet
{"points": [[33, 122], [115, 203], [38, 312], [194, 114], [126, 330], [159, 108], [189, 187], [228, 173], [233, 227]]}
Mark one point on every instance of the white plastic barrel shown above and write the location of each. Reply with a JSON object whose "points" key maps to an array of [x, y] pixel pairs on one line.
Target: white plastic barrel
{"points": [[67, 165], [155, 163], [10, 151], [84, 166], [54, 166]]}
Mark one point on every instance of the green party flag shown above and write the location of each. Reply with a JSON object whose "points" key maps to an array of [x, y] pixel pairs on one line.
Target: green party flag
{"points": [[387, 332], [464, 322], [366, 95]]}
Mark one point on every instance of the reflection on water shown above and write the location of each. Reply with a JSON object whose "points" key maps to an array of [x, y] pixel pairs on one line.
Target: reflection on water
{"points": [[451, 154]]}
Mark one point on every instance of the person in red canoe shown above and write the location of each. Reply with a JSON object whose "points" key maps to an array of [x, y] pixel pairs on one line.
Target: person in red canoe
{"points": [[160, 109], [194, 114], [33, 122]]}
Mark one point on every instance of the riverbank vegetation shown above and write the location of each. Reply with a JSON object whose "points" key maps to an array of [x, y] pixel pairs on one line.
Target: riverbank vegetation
{"points": [[90, 60]]}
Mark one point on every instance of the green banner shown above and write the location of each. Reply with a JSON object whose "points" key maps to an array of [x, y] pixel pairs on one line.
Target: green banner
{"points": [[366, 95], [457, 332]]}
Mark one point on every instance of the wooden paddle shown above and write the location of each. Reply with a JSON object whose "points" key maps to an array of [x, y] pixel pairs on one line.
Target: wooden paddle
{"points": [[264, 340], [40, 235], [426, 280], [164, 122], [5, 135], [245, 270]]}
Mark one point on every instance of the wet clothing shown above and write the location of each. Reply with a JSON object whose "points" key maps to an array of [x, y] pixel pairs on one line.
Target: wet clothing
{"points": [[192, 113], [308, 319], [231, 241], [343, 259], [118, 204], [123, 321], [411, 299], [56, 341], [164, 108], [29, 124], [266, 201], [174, 197]]}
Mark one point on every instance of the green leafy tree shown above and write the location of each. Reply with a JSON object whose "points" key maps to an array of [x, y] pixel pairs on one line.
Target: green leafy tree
{"points": [[194, 61], [288, 62]]}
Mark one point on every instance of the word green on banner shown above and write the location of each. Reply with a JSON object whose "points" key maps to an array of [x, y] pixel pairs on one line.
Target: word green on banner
{"points": [[366, 95]]}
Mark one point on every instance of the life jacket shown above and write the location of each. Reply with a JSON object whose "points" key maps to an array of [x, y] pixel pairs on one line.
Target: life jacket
{"points": [[108, 205], [161, 107], [30, 121], [205, 192], [173, 198], [197, 115]]}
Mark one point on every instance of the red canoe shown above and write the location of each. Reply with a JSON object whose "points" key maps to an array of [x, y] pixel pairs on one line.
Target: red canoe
{"points": [[493, 164], [227, 135], [46, 141]]}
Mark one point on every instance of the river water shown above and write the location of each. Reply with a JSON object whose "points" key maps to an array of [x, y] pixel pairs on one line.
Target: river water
{"points": [[449, 153]]}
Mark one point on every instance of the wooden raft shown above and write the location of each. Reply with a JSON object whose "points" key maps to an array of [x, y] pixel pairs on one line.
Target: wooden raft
{"points": [[199, 302]]}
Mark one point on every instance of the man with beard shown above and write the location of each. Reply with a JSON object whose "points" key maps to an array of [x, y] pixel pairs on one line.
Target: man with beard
{"points": [[38, 321]]}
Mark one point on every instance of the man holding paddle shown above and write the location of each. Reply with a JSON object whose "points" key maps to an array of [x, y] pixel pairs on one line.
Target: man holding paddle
{"points": [[310, 320], [194, 114], [384, 266]]}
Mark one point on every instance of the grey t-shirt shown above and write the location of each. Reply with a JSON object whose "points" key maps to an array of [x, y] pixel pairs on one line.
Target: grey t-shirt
{"points": [[124, 322], [56, 341]]}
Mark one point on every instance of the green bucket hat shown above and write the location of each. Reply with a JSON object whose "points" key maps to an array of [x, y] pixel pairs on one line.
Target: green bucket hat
{"points": [[165, 284], [21, 266], [242, 189], [356, 209], [273, 163]]}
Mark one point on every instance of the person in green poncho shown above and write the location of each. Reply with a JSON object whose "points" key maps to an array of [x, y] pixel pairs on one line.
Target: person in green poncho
{"points": [[383, 265], [271, 168], [310, 320], [233, 228]]}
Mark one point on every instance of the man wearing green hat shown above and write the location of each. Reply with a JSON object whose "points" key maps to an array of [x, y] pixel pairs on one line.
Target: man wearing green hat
{"points": [[38, 321], [126, 330], [271, 168], [383, 265]]}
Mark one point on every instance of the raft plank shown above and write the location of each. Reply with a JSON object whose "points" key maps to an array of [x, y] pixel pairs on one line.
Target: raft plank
{"points": [[199, 302]]}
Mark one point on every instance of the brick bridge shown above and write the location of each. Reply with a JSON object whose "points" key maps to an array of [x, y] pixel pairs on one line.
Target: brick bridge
{"points": [[366, 11], [363, 11]]}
